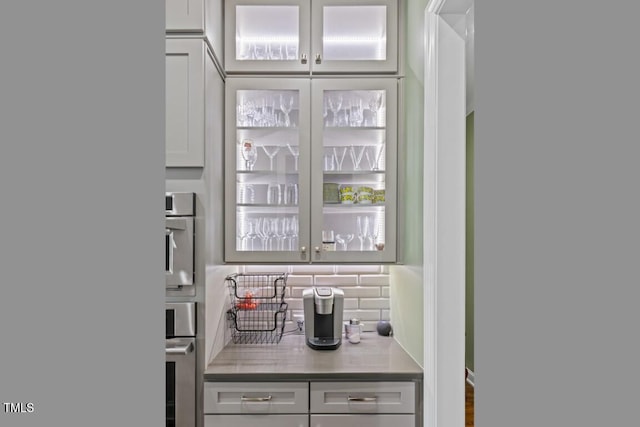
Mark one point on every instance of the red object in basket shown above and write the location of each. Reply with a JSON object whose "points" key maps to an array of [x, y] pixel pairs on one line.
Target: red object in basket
{"points": [[247, 303]]}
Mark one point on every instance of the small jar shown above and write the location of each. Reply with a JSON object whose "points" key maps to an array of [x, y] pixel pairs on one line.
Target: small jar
{"points": [[355, 329]]}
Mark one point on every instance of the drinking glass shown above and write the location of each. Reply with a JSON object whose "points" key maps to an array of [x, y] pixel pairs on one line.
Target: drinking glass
{"points": [[292, 52], [329, 163], [271, 151], [339, 157], [356, 157], [274, 195], [286, 104], [295, 152], [291, 194], [375, 103], [344, 239], [355, 114], [249, 154], [335, 104], [262, 230], [374, 233], [294, 228], [247, 194]]}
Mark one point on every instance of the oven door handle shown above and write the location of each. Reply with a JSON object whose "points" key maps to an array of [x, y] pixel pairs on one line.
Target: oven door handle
{"points": [[179, 349]]}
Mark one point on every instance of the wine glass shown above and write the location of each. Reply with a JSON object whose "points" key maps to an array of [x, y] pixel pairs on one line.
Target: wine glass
{"points": [[335, 103], [355, 114], [356, 157], [249, 154], [294, 228], [362, 227], [344, 239], [286, 104], [375, 103], [271, 151], [339, 157], [295, 152]]}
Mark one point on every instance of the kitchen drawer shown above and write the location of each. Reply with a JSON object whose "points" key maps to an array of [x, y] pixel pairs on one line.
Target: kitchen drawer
{"points": [[363, 397], [256, 421], [256, 398], [368, 420]]}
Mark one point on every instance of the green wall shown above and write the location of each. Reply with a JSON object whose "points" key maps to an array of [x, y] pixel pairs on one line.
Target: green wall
{"points": [[469, 252], [407, 287]]}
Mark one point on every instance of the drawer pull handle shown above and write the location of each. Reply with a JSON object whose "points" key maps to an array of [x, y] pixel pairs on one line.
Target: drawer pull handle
{"points": [[362, 399], [255, 399]]}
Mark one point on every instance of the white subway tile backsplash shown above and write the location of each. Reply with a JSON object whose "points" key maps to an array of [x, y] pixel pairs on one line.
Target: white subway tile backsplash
{"points": [[384, 291], [374, 303], [295, 303], [371, 326], [374, 279], [360, 291], [299, 280], [350, 303], [358, 269], [266, 268], [313, 269], [362, 314], [385, 269], [336, 280], [386, 315], [297, 292]]}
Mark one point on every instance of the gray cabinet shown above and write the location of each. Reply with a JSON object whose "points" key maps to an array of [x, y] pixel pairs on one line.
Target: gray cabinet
{"points": [[318, 36], [194, 91], [334, 420], [256, 398], [197, 18], [311, 170]]}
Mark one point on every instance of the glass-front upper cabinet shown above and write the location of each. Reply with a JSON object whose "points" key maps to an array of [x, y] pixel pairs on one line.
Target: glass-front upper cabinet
{"points": [[354, 36], [303, 36], [354, 170], [267, 188]]}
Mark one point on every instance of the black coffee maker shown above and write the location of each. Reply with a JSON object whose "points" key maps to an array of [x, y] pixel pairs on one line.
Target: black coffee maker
{"points": [[323, 317]]}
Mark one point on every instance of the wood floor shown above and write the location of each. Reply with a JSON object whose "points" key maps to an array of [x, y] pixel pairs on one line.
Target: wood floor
{"points": [[468, 405]]}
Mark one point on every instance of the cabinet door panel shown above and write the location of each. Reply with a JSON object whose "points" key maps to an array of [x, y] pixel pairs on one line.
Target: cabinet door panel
{"points": [[185, 102], [184, 15], [354, 36], [363, 420], [256, 421], [363, 397], [256, 398]]}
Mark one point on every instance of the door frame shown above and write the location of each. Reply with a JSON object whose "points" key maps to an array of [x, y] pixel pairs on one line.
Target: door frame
{"points": [[444, 212]]}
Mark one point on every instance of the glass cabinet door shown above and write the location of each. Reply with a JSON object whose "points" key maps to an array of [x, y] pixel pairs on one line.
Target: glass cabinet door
{"points": [[353, 170], [354, 36], [267, 185], [266, 36]]}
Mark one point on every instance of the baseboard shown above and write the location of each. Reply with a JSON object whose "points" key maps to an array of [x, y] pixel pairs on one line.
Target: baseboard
{"points": [[471, 378]]}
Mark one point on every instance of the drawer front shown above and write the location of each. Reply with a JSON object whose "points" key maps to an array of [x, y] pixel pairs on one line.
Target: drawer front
{"points": [[368, 420], [363, 397], [256, 421], [256, 398]]}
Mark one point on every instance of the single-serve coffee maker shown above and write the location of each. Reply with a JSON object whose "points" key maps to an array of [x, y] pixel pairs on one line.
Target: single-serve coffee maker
{"points": [[323, 317]]}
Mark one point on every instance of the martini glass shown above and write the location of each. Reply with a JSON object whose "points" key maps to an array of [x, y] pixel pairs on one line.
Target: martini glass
{"points": [[271, 151], [339, 157], [295, 152], [344, 239], [356, 156]]}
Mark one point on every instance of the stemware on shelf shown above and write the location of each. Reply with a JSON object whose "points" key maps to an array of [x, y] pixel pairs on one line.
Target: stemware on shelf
{"points": [[344, 239], [339, 153], [362, 228], [295, 152], [355, 114], [263, 232], [375, 103], [271, 151], [356, 156], [291, 194], [286, 104], [274, 194], [249, 154], [334, 102], [247, 194]]}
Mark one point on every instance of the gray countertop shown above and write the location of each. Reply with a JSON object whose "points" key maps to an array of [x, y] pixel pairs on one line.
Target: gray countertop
{"points": [[374, 358]]}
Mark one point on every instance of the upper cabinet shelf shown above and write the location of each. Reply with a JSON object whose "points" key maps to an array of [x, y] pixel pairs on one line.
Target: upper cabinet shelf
{"points": [[311, 36]]}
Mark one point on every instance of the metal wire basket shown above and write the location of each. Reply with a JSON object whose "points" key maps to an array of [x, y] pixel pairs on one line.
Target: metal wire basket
{"points": [[258, 310]]}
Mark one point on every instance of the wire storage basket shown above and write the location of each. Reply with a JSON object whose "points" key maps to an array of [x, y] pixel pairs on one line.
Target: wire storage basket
{"points": [[258, 310]]}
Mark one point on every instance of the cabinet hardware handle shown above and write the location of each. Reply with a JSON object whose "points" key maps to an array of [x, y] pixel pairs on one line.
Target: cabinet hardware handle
{"points": [[255, 399], [303, 249], [362, 399], [318, 58], [317, 249], [303, 58], [181, 350]]}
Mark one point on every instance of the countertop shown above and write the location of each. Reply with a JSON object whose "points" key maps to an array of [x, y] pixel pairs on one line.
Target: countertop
{"points": [[374, 358]]}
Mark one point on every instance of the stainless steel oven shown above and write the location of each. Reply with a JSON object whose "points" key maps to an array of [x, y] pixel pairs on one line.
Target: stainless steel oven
{"points": [[179, 240], [180, 350]]}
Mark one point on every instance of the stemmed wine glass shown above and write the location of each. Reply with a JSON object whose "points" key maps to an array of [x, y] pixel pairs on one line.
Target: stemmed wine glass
{"points": [[362, 226], [344, 239], [335, 103], [271, 151], [286, 105], [295, 152], [356, 158], [355, 114], [339, 158], [249, 154], [375, 103]]}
